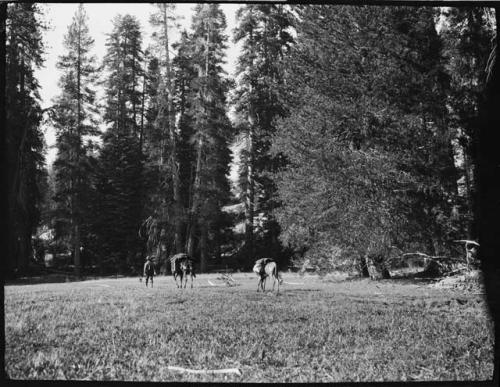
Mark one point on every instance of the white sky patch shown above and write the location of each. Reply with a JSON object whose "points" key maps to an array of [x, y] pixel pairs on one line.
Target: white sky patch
{"points": [[100, 16]]}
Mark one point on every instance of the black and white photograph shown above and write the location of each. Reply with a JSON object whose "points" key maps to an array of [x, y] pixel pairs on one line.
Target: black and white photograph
{"points": [[262, 192]]}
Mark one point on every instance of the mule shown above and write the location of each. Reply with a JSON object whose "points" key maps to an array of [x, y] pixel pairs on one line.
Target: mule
{"points": [[182, 265], [264, 268]]}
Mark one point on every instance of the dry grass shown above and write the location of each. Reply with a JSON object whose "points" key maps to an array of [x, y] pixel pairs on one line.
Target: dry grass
{"points": [[322, 331]]}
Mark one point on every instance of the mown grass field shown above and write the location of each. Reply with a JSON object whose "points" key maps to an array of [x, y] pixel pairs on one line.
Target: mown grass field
{"points": [[315, 330]]}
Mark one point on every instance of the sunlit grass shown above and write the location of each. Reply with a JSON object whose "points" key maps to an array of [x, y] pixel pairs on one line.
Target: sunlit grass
{"points": [[319, 331]]}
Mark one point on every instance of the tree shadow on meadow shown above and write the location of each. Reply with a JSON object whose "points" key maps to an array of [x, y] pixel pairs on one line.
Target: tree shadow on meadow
{"points": [[53, 278]]}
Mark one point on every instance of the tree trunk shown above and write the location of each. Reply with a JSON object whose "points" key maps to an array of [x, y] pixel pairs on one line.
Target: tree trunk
{"points": [[250, 189], [179, 244], [217, 240], [194, 211], [469, 181], [363, 267], [249, 199], [6, 228], [203, 249], [196, 193], [191, 239], [488, 209], [76, 250], [134, 112], [141, 133], [75, 202]]}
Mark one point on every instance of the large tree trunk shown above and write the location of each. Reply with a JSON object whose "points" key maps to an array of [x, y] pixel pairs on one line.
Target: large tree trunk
{"points": [[191, 239], [143, 97], [75, 201], [76, 247], [249, 199], [179, 243], [6, 228], [470, 193], [250, 189], [194, 211], [488, 210], [20, 213], [203, 249]]}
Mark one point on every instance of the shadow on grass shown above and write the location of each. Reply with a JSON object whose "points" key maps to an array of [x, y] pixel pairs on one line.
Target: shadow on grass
{"points": [[54, 278], [417, 278], [414, 278]]}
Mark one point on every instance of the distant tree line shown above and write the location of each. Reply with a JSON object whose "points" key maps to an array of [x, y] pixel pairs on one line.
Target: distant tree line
{"points": [[357, 127]]}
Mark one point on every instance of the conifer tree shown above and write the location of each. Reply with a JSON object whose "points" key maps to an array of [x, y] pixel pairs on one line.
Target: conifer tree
{"points": [[263, 30], [369, 150], [120, 175], [74, 119], [467, 35], [416, 88], [184, 76], [212, 131], [24, 139], [164, 20]]}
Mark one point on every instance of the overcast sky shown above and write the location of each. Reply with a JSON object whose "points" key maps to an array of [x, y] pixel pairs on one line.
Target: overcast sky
{"points": [[100, 16]]}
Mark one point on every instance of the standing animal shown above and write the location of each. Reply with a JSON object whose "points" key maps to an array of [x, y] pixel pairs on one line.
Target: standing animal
{"points": [[149, 271], [266, 267], [182, 265]]}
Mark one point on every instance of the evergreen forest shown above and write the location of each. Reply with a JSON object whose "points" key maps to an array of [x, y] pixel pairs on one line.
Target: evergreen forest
{"points": [[347, 139]]}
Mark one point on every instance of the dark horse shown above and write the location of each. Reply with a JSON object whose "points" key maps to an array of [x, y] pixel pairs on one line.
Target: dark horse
{"points": [[182, 265]]}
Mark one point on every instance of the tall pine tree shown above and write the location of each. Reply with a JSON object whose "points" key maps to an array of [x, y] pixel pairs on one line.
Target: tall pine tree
{"points": [[467, 33], [74, 119], [212, 132], [164, 19], [24, 138], [263, 30], [121, 162]]}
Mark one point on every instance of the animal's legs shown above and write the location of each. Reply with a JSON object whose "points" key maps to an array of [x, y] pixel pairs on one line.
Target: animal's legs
{"points": [[151, 281], [191, 280], [147, 278]]}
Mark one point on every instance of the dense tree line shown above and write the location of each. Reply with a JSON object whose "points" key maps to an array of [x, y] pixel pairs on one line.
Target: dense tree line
{"points": [[370, 143], [23, 136], [358, 128]]}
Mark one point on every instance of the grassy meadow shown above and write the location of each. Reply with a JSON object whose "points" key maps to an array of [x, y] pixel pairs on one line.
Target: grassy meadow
{"points": [[315, 330]]}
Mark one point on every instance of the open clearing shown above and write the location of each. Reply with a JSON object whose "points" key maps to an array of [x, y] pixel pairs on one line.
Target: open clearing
{"points": [[315, 330]]}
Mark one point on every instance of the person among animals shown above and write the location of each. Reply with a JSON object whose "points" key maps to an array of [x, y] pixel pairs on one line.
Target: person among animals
{"points": [[149, 270]]}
